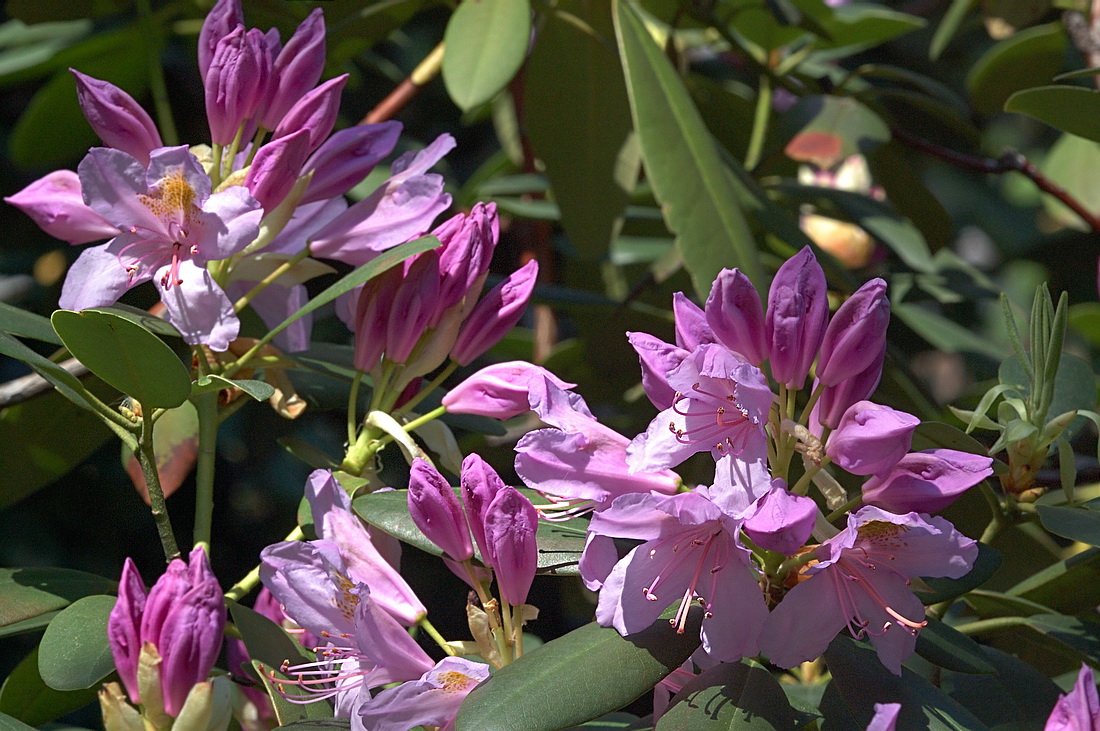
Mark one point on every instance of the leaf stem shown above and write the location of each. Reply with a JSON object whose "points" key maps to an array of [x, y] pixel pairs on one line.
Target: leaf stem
{"points": [[148, 460], [206, 404], [759, 123], [353, 399], [267, 281], [434, 634]]}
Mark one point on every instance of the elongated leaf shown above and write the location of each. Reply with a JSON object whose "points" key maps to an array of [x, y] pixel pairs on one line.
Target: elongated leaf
{"points": [[27, 625], [697, 192], [29, 593], [560, 543], [26, 324], [1016, 698], [1074, 384], [937, 435], [740, 695], [259, 390], [65, 382], [1079, 635], [1072, 109], [1025, 59], [486, 42], [945, 334], [7, 723], [25, 697], [1068, 586], [998, 604], [578, 677], [1077, 524], [948, 26], [125, 355], [943, 645], [74, 653]]}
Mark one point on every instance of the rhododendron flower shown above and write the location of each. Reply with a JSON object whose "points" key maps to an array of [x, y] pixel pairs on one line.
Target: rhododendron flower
{"points": [[927, 481], [780, 520], [736, 317], [431, 700], [54, 202], [798, 312], [499, 390], [690, 551], [871, 438], [170, 226], [886, 717], [1078, 710], [862, 581]]}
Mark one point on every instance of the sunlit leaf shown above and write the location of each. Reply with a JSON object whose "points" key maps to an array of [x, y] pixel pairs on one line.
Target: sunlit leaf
{"points": [[1026, 59], [32, 592], [24, 696], [74, 653], [486, 43], [1072, 109]]}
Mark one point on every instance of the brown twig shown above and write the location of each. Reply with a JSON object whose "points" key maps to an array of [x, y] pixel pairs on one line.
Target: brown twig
{"points": [[396, 100], [1009, 161]]}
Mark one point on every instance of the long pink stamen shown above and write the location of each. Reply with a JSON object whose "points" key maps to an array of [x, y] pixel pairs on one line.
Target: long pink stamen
{"points": [[731, 423]]}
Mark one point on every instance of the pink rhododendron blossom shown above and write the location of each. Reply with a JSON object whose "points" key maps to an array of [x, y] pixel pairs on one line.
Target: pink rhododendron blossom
{"points": [[55, 203], [871, 438], [117, 119], [658, 359], [736, 316], [511, 522], [431, 700], [437, 512], [856, 333], [927, 481], [798, 312], [885, 718], [1078, 710], [499, 390], [781, 521]]}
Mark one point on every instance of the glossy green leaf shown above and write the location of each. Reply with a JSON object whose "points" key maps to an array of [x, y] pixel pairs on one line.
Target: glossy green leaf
{"points": [[25, 697], [863, 681], [152, 323], [1080, 635], [125, 355], [1072, 109], [943, 645], [28, 625], [857, 129], [945, 334], [258, 390], [578, 119], [1016, 698], [66, 383], [74, 653], [949, 26], [1026, 59], [1072, 163], [486, 43], [1068, 586], [1077, 524], [578, 677], [617, 721], [7, 723], [944, 589], [696, 190], [18, 321], [741, 695], [560, 543], [859, 25], [997, 604], [33, 592]]}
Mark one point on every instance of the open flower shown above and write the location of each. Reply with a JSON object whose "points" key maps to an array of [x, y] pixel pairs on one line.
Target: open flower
{"points": [[1078, 710], [170, 226], [431, 700]]}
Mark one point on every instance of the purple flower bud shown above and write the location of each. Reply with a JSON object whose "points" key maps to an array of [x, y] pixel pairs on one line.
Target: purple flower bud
{"points": [[372, 317], [436, 511], [782, 521], [496, 314], [413, 306], [855, 334], [798, 311], [480, 485], [116, 118], [835, 400], [736, 317], [124, 627], [275, 169], [347, 157], [499, 391], [237, 82], [926, 482], [871, 438], [658, 359], [1078, 710], [468, 243], [57, 206], [692, 329], [297, 69], [222, 18], [510, 525], [315, 112]]}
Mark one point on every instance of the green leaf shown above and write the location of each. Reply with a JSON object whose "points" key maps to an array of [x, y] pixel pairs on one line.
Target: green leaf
{"points": [[937, 435], [1072, 109], [1079, 635], [1072, 163], [697, 192], [66, 383], [943, 333], [1017, 698], [29, 593], [948, 26], [485, 44], [74, 653], [996, 604], [18, 321], [617, 721], [943, 645], [7, 723], [25, 697], [1077, 524], [741, 695], [852, 128], [862, 681], [1068, 586], [27, 625], [578, 677], [944, 589], [125, 355], [1028, 58], [859, 25], [1074, 384], [578, 119], [560, 543], [1085, 319], [259, 390]]}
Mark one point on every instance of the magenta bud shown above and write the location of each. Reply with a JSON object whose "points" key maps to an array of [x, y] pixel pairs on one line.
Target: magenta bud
{"points": [[511, 522], [56, 204], [296, 69], [275, 169], [871, 438], [499, 391], [736, 317], [798, 312], [348, 156], [658, 359], [435, 509], [1078, 710], [855, 334], [692, 329], [496, 314], [372, 317], [222, 18], [468, 243], [315, 112], [782, 521], [237, 82], [413, 306], [116, 118], [480, 484], [926, 482], [835, 400], [124, 627]]}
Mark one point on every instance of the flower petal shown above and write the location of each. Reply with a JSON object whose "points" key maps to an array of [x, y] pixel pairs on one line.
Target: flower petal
{"points": [[199, 308]]}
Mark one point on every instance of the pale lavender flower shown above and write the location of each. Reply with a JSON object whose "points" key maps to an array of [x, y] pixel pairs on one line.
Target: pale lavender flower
{"points": [[798, 312], [346, 157], [736, 317], [692, 329], [222, 18], [316, 112], [657, 359], [499, 390], [170, 226], [55, 203], [436, 511], [886, 717], [856, 334], [1078, 710], [295, 70], [927, 481], [480, 484], [495, 314], [237, 82], [510, 525], [431, 700], [274, 171], [861, 581], [781, 521], [116, 118], [871, 438]]}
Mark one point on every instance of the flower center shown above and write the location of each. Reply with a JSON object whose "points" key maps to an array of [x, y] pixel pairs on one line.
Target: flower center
{"points": [[453, 681], [703, 547], [848, 574], [714, 418]]}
